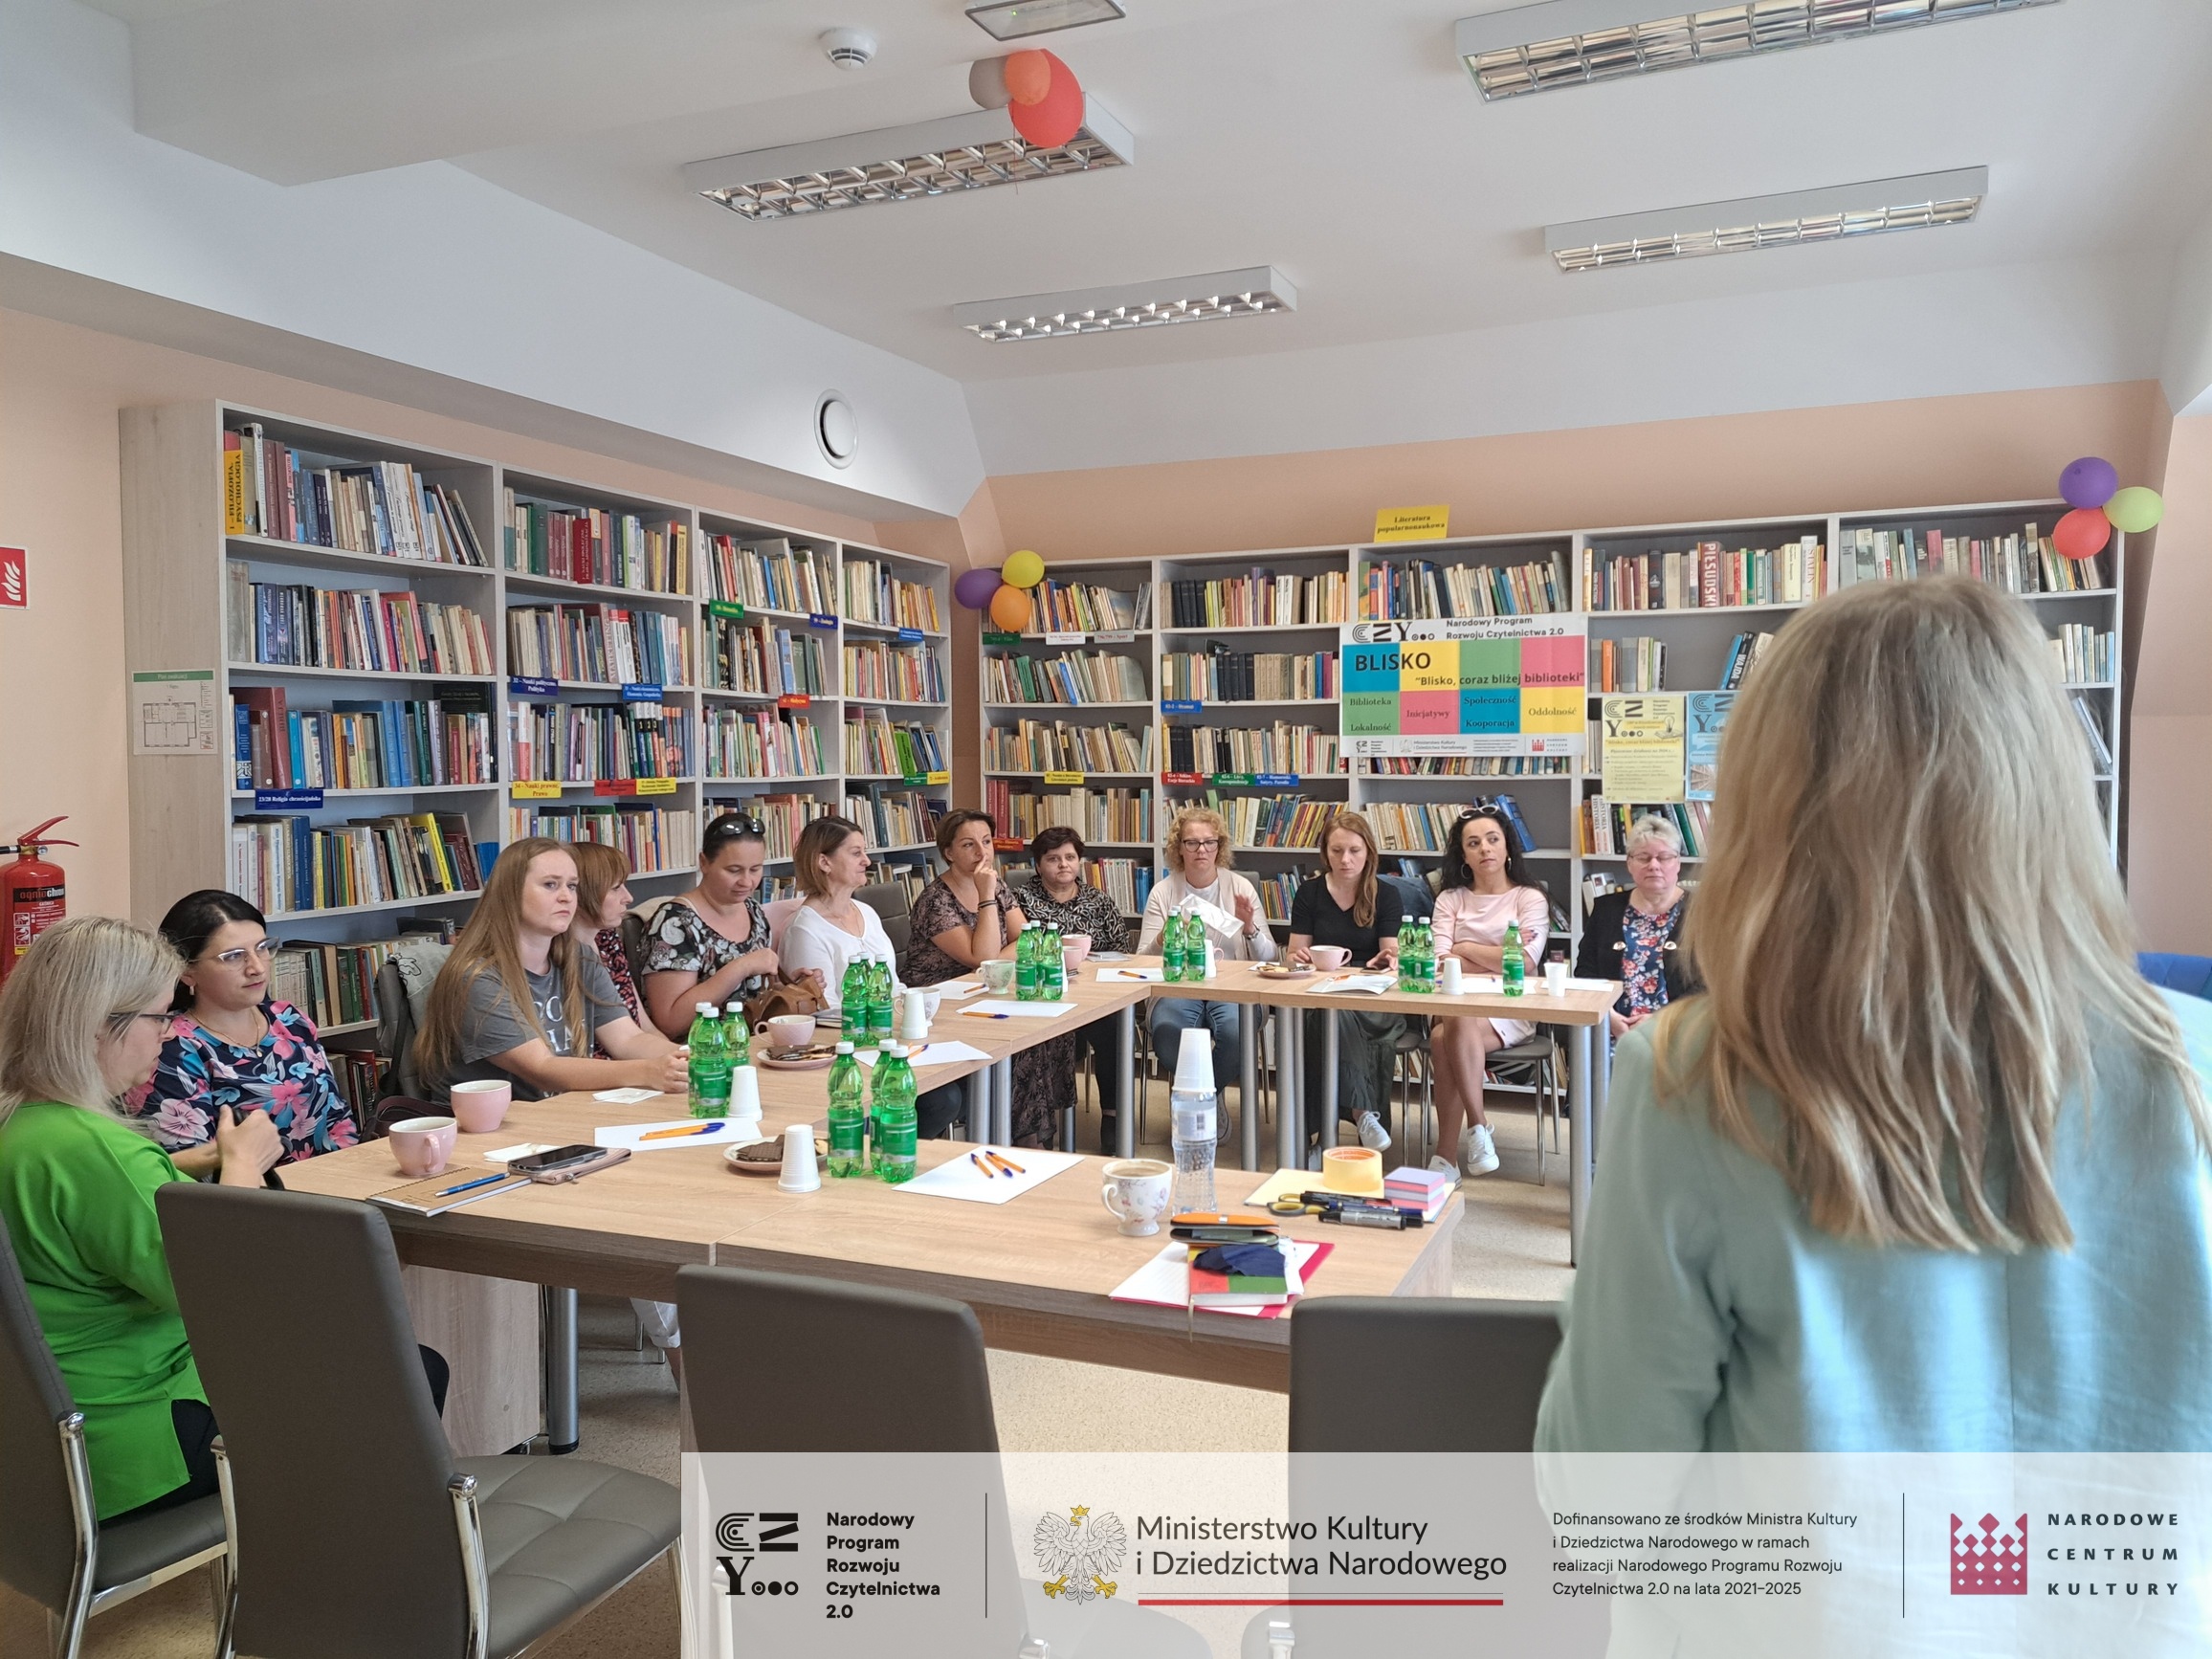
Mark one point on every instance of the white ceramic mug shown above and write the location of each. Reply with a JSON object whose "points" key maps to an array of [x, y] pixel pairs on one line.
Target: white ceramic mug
{"points": [[1136, 1194], [1554, 979]]}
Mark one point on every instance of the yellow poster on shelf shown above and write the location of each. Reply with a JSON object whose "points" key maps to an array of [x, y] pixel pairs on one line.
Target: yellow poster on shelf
{"points": [[1643, 752], [1413, 523]]}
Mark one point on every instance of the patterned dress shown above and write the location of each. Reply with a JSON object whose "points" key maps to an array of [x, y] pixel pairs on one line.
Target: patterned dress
{"points": [[938, 910], [608, 941], [680, 941], [286, 1075], [1643, 960]]}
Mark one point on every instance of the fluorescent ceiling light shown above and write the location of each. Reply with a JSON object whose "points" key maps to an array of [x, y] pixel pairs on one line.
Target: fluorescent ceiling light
{"points": [[1208, 298], [1919, 200], [1568, 42], [1018, 19], [932, 158]]}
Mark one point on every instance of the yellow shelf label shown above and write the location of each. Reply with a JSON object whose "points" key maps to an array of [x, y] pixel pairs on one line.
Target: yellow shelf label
{"points": [[656, 785], [1063, 777], [940, 777], [527, 790], [1413, 523]]}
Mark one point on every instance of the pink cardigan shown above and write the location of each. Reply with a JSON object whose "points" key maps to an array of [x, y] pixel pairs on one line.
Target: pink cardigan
{"points": [[1466, 917]]}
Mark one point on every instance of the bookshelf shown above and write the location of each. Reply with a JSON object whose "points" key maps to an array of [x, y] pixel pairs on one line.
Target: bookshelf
{"points": [[570, 681], [1412, 802]]}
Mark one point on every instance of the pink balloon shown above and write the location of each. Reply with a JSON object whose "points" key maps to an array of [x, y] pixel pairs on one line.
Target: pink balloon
{"points": [[2082, 534]]}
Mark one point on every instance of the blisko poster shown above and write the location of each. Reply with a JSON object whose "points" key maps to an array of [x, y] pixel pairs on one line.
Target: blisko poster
{"points": [[1478, 685]]}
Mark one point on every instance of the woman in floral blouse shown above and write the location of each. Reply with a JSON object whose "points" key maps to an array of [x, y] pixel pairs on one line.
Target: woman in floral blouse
{"points": [[230, 1042], [711, 944], [1059, 893], [1635, 937]]}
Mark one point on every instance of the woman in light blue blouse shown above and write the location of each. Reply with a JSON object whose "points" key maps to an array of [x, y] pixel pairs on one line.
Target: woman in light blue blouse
{"points": [[1925, 1168]]}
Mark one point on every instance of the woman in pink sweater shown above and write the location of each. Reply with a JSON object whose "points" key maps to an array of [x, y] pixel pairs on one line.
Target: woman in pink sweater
{"points": [[1486, 887]]}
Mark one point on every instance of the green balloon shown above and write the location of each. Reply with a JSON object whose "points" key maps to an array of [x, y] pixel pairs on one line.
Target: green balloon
{"points": [[2135, 509]]}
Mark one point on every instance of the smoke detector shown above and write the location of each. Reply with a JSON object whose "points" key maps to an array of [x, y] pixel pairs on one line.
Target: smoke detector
{"points": [[848, 48]]}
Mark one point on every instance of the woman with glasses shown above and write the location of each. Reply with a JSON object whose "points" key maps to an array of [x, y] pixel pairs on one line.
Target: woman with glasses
{"points": [[1487, 888], [1199, 877], [1635, 935], [712, 943], [230, 1044]]}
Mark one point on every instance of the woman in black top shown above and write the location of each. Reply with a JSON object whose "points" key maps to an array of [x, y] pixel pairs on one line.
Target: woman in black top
{"points": [[1349, 907], [1634, 935]]}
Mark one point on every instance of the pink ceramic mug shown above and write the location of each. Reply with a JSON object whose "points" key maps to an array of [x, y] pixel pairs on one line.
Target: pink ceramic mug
{"points": [[480, 1106], [422, 1145], [1328, 957], [1075, 946]]}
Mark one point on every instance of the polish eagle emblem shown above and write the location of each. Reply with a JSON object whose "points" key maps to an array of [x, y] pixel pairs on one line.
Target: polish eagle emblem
{"points": [[1079, 1550]]}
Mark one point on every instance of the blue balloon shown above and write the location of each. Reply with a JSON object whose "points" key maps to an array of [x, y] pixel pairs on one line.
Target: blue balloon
{"points": [[2089, 482]]}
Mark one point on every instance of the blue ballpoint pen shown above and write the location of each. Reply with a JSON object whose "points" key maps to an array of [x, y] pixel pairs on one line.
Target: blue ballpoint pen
{"points": [[466, 1186]]}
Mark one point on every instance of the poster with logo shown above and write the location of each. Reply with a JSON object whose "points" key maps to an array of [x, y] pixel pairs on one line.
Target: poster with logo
{"points": [[1477, 685], [1643, 747], [1706, 714]]}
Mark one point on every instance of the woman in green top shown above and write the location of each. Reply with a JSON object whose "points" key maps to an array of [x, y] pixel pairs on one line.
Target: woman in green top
{"points": [[82, 1024]]}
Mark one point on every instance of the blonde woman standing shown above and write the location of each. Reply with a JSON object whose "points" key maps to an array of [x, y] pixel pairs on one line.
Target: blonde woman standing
{"points": [[1925, 1168], [1199, 876]]}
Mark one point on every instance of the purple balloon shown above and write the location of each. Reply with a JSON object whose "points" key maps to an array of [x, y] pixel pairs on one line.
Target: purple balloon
{"points": [[2089, 482], [975, 587]]}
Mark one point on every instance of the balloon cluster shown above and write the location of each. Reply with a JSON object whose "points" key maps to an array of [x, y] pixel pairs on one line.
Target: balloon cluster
{"points": [[1000, 591], [2091, 488], [1036, 89]]}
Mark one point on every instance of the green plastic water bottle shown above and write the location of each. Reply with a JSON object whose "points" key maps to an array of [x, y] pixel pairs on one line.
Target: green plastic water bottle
{"points": [[852, 1004], [1409, 970], [1026, 965], [1052, 981], [848, 1116], [1425, 955], [878, 1004], [1513, 968], [891, 1100], [709, 1065], [1171, 949], [736, 1036]]}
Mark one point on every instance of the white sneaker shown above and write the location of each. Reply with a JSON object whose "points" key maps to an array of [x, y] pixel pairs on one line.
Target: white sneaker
{"points": [[1438, 1167], [1481, 1150], [1372, 1134]]}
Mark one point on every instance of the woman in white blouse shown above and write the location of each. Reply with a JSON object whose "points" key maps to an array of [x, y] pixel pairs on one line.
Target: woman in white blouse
{"points": [[1197, 857], [1486, 887]]}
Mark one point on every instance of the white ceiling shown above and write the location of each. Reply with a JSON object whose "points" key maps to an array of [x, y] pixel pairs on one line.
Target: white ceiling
{"points": [[1339, 142]]}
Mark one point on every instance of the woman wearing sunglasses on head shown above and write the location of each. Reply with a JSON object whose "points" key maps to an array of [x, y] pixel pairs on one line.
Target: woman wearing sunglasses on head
{"points": [[712, 943], [230, 1044]]}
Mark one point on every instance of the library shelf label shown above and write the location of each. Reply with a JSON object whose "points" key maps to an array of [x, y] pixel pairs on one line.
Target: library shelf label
{"points": [[536, 790], [519, 687], [1063, 777], [1184, 780], [815, 619], [937, 777], [286, 800], [993, 636], [1276, 780], [1413, 523], [642, 692], [1120, 636], [729, 609], [913, 780], [1063, 639], [654, 785], [1010, 843], [911, 636], [794, 701], [1232, 780], [1179, 706]]}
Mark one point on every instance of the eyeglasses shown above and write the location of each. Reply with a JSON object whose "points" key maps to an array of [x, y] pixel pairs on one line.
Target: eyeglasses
{"points": [[120, 1024], [1655, 856], [1193, 845], [261, 953]]}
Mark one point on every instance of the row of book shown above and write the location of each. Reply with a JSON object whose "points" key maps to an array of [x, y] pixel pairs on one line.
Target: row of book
{"points": [[652, 838], [1060, 746], [296, 626], [781, 818], [594, 545], [895, 817], [1126, 881], [1743, 653], [1706, 577], [286, 864], [1602, 826], [333, 985], [874, 595], [906, 674], [1278, 890], [765, 659], [1270, 819], [1421, 590], [1412, 826], [762, 743], [1264, 599], [2025, 562], [769, 575], [2092, 722], [2085, 655], [875, 747], [1073, 677], [585, 743], [1464, 765], [383, 507], [599, 644], [1058, 607], [361, 744], [1306, 751], [1115, 817], [1219, 675], [1637, 664]]}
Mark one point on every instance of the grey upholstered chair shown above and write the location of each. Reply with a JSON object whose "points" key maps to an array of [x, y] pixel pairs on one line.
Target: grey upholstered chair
{"points": [[359, 1534], [52, 1548], [887, 899], [1495, 1356]]}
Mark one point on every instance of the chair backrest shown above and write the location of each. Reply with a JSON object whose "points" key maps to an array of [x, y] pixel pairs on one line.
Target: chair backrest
{"points": [[2190, 975], [38, 1524], [637, 926], [774, 1362], [403, 999], [1493, 1356], [1415, 901], [887, 899], [780, 912], [346, 1532]]}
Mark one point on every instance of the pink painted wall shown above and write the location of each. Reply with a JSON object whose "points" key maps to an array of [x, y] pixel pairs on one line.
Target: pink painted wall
{"points": [[2169, 791]]}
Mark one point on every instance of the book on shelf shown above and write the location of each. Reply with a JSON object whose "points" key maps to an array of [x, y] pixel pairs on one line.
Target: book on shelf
{"points": [[1421, 590], [769, 574], [1119, 816], [1263, 599], [1743, 653], [601, 643], [1063, 747], [1636, 664], [1282, 748], [906, 674], [781, 818], [1706, 577], [594, 545], [332, 983], [1412, 826], [895, 817], [1602, 826], [652, 838], [873, 745], [2021, 562], [874, 595], [587, 742], [766, 659], [1269, 820], [1277, 892], [1126, 881], [297, 625], [1057, 607], [359, 1076], [382, 507], [2084, 654], [1221, 674], [1073, 677], [286, 864], [1464, 765], [762, 743], [2093, 722], [360, 744]]}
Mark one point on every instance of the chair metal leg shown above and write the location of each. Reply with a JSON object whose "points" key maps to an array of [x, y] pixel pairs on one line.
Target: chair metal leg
{"points": [[226, 1627], [469, 1530], [68, 1628]]}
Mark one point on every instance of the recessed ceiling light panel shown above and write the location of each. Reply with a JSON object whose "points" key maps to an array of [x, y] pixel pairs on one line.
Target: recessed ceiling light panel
{"points": [[1019, 19], [1208, 299], [1918, 202], [1572, 42], [932, 158]]}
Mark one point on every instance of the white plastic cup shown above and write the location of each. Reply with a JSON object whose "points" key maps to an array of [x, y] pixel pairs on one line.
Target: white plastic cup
{"points": [[745, 1094], [1554, 979], [914, 1016], [800, 1175], [1449, 972]]}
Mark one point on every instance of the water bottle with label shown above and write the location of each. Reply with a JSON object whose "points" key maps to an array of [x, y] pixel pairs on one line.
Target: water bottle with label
{"points": [[852, 1004], [848, 1116], [879, 1006], [1171, 949], [1026, 964], [1052, 981], [1409, 970], [709, 1064], [738, 1037], [1425, 956], [1193, 1110], [891, 1102], [1513, 966]]}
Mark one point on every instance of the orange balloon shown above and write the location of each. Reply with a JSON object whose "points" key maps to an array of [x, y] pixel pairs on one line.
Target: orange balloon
{"points": [[1010, 608], [1055, 117], [2082, 534], [1029, 76]]}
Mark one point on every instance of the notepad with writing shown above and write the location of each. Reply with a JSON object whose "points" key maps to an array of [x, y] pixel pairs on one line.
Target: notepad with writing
{"points": [[462, 1185]]}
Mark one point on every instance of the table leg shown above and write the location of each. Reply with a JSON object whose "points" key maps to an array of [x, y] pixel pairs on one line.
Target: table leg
{"points": [[1601, 1091], [561, 1430], [1290, 1084], [1578, 1092], [1330, 1037], [1003, 1101], [1125, 1085], [978, 1106], [1248, 1082]]}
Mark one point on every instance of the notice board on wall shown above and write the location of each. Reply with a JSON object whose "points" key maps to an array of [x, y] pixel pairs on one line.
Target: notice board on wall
{"points": [[1475, 685]]}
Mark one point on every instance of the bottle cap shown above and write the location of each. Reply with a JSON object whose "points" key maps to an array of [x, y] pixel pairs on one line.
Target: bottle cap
{"points": [[895, 1051], [706, 1007], [1194, 1063], [733, 1007], [845, 1048]]}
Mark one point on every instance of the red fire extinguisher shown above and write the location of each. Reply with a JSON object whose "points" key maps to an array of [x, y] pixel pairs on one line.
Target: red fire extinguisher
{"points": [[32, 896]]}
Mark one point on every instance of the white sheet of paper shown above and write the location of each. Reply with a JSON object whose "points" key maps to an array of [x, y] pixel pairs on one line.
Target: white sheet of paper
{"points": [[1479, 985], [1020, 1010], [960, 1178], [633, 1135], [1132, 976], [933, 1055], [522, 1149], [955, 989], [1372, 985], [1575, 985], [625, 1097], [1165, 1281]]}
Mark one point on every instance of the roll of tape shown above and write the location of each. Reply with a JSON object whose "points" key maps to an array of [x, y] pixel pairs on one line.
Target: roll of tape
{"points": [[1352, 1169]]}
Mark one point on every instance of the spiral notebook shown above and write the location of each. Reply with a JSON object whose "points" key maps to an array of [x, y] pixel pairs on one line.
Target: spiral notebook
{"points": [[465, 1184]]}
